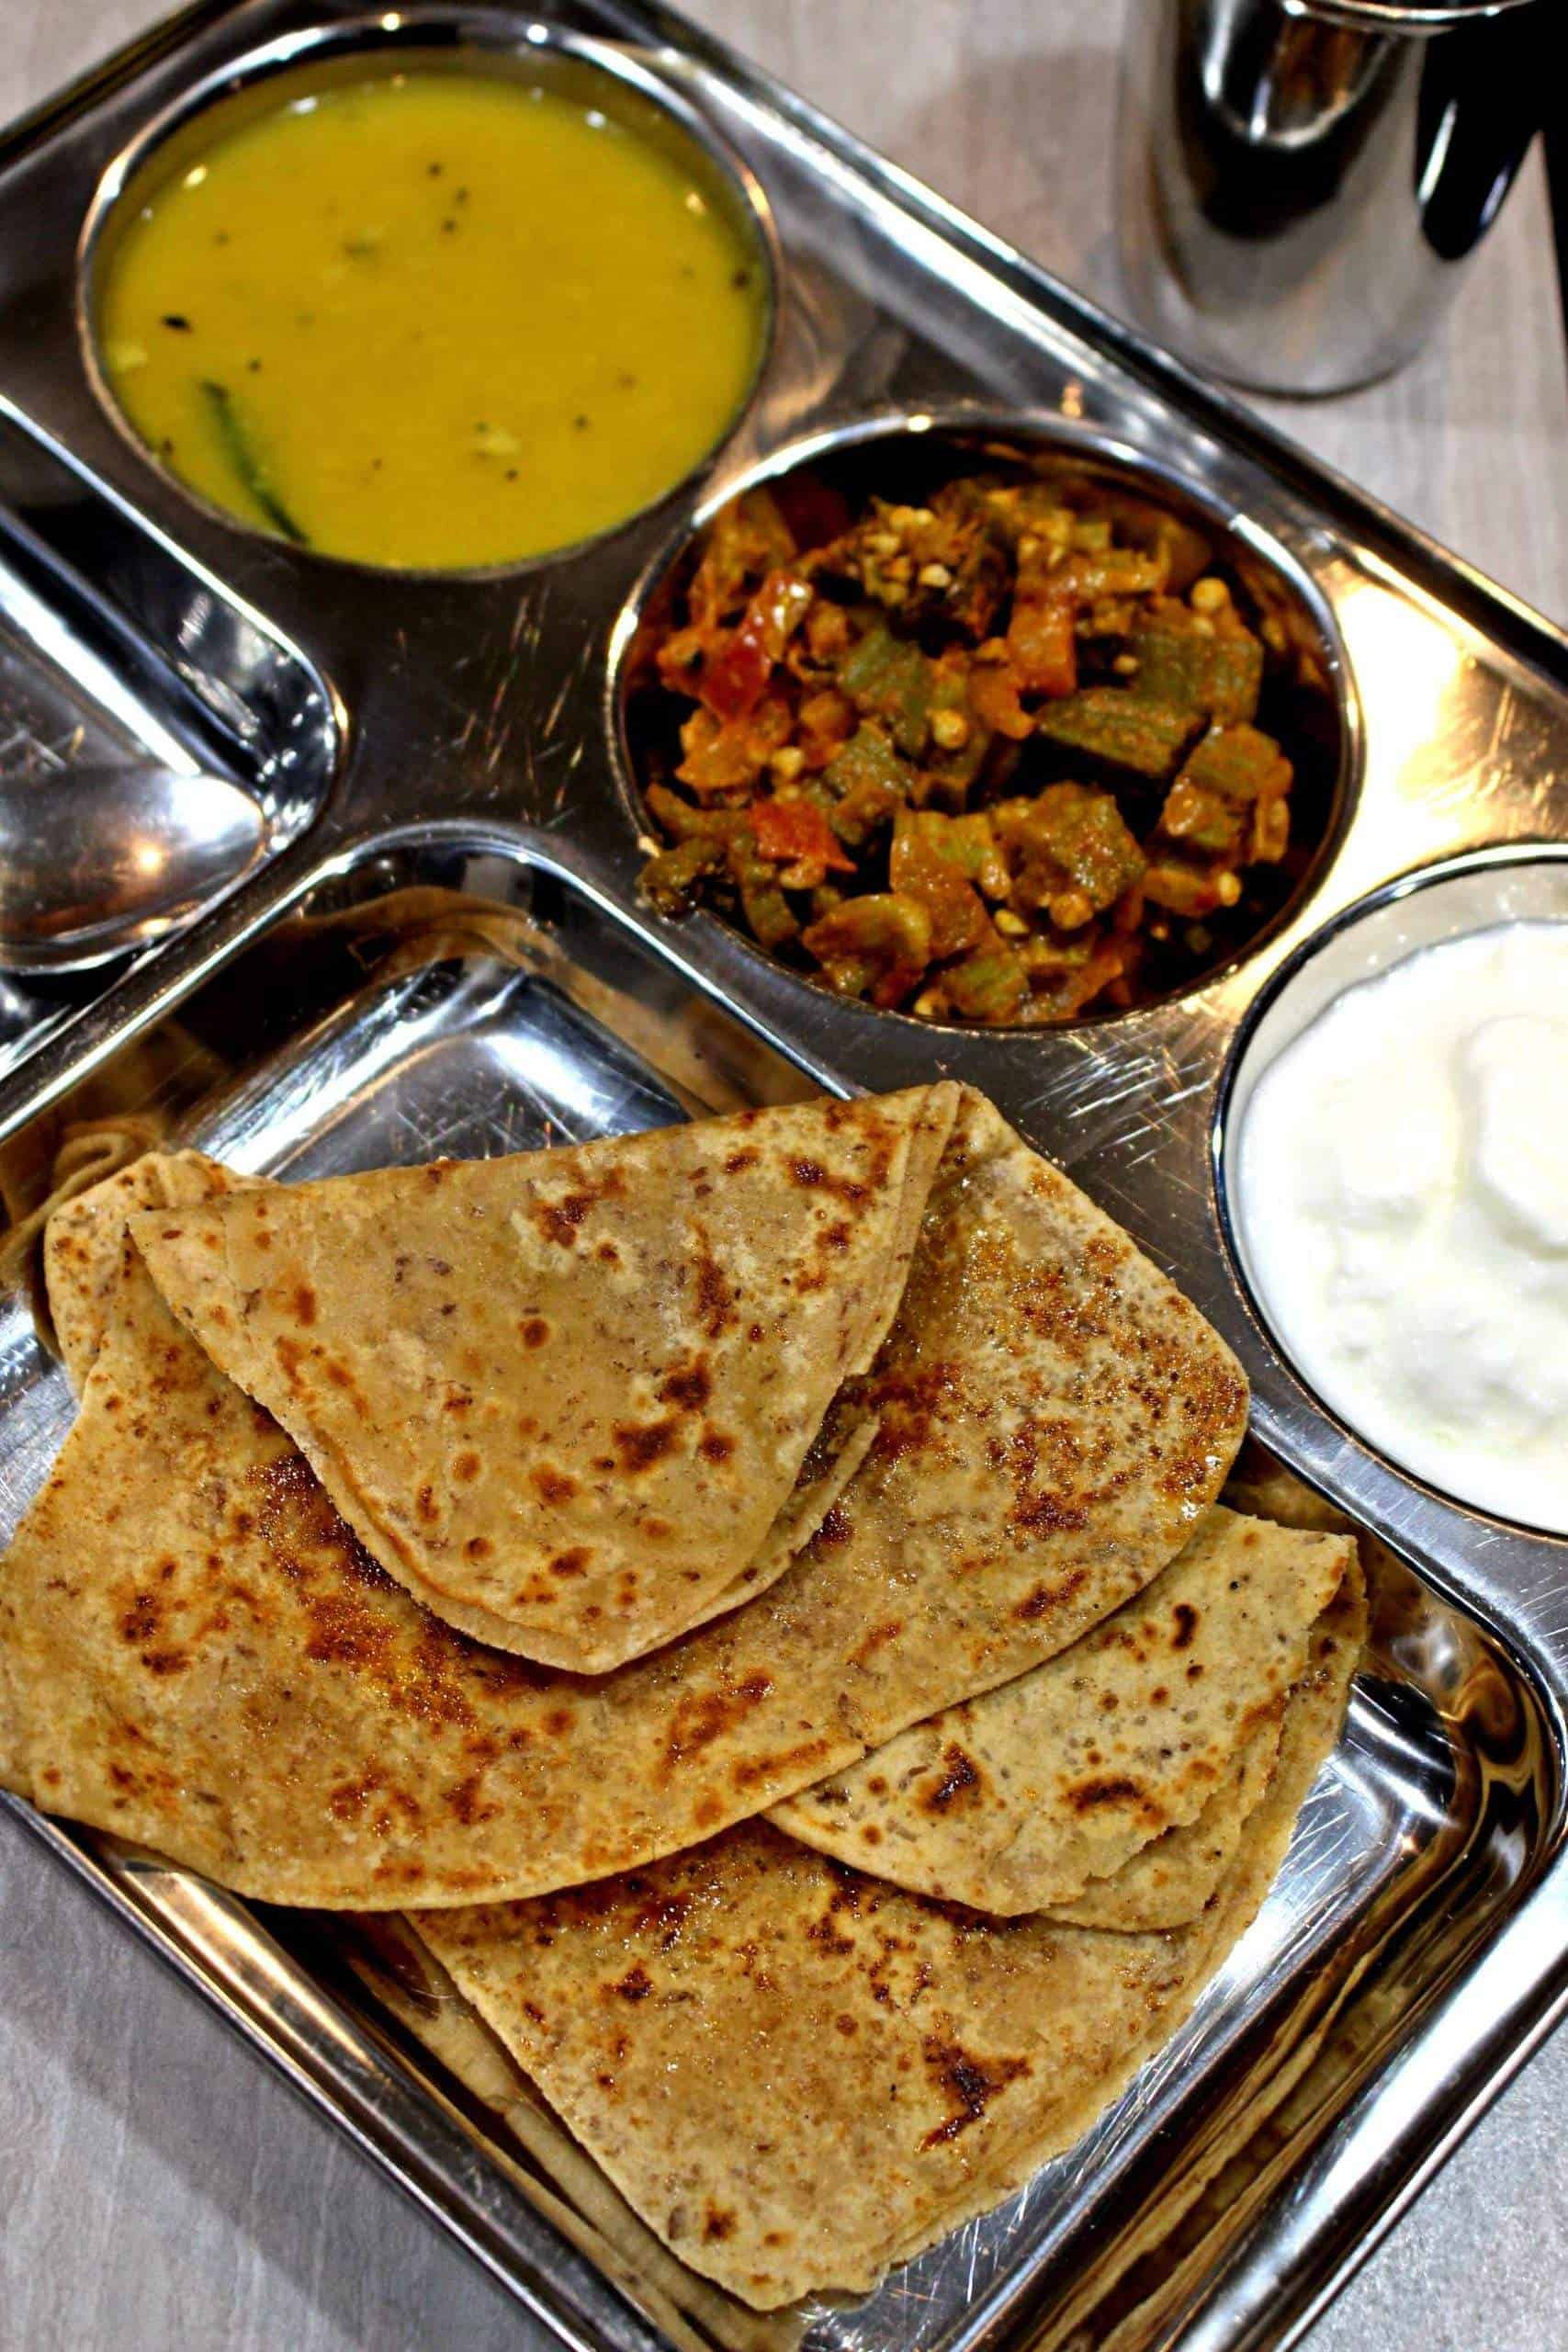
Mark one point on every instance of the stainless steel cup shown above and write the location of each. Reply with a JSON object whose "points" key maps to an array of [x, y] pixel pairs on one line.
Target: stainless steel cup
{"points": [[1302, 182]]}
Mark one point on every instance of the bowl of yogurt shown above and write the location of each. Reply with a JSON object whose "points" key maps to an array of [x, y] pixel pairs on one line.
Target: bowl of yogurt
{"points": [[1392, 1157]]}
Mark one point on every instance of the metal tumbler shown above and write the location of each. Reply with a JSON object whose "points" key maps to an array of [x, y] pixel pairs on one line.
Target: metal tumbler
{"points": [[1302, 182]]}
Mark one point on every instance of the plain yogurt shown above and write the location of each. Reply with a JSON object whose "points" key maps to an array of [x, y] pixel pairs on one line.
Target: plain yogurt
{"points": [[1401, 1188]]}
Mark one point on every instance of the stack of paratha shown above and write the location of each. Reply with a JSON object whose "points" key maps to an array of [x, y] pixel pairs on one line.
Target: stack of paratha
{"points": [[505, 1540]]}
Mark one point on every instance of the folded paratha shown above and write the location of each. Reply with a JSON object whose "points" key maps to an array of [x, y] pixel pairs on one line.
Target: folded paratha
{"points": [[567, 1397], [402, 1975], [202, 1656], [1018, 1800], [85, 1241], [906, 2063], [1167, 1882], [1171, 1879]]}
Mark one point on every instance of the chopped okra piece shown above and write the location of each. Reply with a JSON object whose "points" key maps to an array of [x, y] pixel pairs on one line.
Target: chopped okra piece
{"points": [[967, 842], [990, 984], [867, 758], [684, 822], [869, 783], [1138, 735], [1069, 851], [766, 908], [669, 878], [917, 869], [888, 678], [1238, 762], [1215, 669], [877, 947]]}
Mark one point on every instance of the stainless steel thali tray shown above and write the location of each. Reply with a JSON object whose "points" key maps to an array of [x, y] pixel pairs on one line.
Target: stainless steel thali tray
{"points": [[444, 952]]}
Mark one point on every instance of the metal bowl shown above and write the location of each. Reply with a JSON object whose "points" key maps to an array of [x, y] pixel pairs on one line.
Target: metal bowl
{"points": [[441, 40], [1444, 901], [905, 454]]}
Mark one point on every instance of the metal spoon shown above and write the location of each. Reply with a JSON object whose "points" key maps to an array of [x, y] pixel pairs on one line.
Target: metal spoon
{"points": [[97, 860]]}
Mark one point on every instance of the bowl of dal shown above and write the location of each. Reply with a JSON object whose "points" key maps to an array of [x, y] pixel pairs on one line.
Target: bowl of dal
{"points": [[440, 293]]}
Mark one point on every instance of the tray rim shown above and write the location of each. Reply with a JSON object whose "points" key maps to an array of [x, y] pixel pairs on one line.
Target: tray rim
{"points": [[1423, 567]]}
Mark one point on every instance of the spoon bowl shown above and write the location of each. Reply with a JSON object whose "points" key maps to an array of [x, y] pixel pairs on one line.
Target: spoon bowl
{"points": [[100, 860]]}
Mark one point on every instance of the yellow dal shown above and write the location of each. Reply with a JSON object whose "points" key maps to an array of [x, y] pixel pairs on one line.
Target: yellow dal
{"points": [[439, 320]]}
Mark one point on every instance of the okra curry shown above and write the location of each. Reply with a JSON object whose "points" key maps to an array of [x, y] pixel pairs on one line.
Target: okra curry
{"points": [[436, 319], [993, 757]]}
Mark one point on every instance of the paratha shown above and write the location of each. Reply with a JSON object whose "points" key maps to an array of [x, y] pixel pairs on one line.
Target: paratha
{"points": [[85, 1241], [799, 2075], [1176, 1874], [567, 1398], [402, 1975], [1310, 1730], [1169, 1880], [204, 1658], [1016, 1801]]}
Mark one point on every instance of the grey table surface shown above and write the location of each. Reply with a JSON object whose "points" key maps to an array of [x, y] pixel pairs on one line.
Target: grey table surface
{"points": [[160, 2187]]}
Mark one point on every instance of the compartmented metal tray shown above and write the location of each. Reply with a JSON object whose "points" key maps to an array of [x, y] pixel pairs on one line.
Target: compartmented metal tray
{"points": [[444, 953]]}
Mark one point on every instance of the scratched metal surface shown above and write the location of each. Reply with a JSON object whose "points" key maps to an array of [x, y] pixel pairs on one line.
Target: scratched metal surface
{"points": [[477, 753]]}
